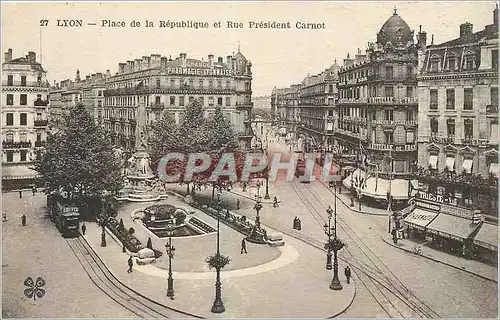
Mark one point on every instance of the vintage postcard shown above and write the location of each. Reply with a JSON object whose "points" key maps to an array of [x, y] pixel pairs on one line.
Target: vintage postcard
{"points": [[249, 159]]}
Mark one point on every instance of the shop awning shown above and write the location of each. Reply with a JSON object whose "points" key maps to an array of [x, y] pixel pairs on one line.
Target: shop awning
{"points": [[18, 172], [399, 189], [419, 218], [494, 168], [467, 165], [433, 161], [375, 188], [355, 175], [450, 163], [454, 227], [487, 237]]}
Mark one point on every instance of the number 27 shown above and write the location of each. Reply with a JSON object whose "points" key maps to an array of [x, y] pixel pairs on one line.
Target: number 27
{"points": [[44, 23]]}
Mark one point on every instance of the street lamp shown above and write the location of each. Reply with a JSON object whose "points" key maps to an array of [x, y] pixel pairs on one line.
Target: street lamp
{"points": [[266, 196], [103, 224], [170, 249], [258, 206], [218, 262], [335, 245], [328, 232]]}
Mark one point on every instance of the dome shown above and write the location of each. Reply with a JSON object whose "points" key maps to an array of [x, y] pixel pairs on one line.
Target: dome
{"points": [[396, 31]]}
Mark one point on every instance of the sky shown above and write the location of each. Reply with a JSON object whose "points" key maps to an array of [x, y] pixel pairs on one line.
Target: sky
{"points": [[280, 57]]}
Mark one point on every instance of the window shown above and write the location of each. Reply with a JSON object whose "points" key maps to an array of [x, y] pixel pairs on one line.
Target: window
{"points": [[23, 155], [468, 99], [191, 99], [10, 80], [450, 99], [38, 137], [10, 156], [172, 100], [399, 166], [200, 84], [468, 128], [494, 96], [99, 93], [450, 126], [330, 113], [157, 100], [23, 81], [389, 137], [434, 126], [210, 101], [10, 119], [409, 92], [452, 64], [10, 99], [9, 137], [181, 101], [389, 115], [210, 84], [24, 100], [410, 137], [389, 73], [494, 59], [409, 115], [469, 62], [434, 99], [191, 84], [389, 91], [493, 133], [219, 84], [409, 71], [99, 104], [228, 101], [158, 83], [219, 101], [435, 65], [172, 84], [38, 116]]}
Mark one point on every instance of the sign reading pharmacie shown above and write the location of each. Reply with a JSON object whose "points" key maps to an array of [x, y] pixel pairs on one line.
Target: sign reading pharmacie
{"points": [[201, 71]]}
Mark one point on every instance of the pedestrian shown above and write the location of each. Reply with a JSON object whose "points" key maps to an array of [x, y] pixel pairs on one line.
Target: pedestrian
{"points": [[299, 224], [295, 222], [243, 246], [275, 202], [20, 193], [23, 220], [84, 228], [238, 204], [33, 190], [130, 264], [394, 235], [347, 272], [4, 216]]}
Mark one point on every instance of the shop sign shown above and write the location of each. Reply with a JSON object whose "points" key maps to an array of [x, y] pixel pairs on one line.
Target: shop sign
{"points": [[426, 205], [436, 198], [457, 211], [200, 71]]}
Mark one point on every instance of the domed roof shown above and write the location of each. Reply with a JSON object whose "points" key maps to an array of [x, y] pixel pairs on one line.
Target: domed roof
{"points": [[396, 31]]}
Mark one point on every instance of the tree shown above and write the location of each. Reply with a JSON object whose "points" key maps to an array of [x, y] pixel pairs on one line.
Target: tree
{"points": [[79, 161], [149, 245]]}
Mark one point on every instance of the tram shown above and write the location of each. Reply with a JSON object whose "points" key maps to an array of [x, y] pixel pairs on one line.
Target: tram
{"points": [[65, 215]]}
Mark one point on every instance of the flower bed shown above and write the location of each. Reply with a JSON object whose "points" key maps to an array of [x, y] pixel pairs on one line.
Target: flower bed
{"points": [[128, 240]]}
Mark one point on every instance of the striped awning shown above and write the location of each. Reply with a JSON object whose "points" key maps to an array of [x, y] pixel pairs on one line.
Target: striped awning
{"points": [[18, 172], [487, 237]]}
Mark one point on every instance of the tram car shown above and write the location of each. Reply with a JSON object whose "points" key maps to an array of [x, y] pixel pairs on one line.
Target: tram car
{"points": [[64, 214]]}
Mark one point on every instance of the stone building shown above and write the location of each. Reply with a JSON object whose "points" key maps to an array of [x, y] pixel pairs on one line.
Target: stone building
{"points": [[143, 89], [25, 103], [458, 118], [377, 113], [285, 103]]}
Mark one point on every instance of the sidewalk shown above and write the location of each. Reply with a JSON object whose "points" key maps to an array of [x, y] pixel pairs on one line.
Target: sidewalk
{"points": [[474, 267]]}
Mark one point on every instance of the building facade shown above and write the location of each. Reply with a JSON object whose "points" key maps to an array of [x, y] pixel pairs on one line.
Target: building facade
{"points": [[285, 102], [458, 119], [377, 112], [143, 89], [25, 103]]}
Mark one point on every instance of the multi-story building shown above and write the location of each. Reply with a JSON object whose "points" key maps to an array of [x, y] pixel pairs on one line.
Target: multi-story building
{"points": [[317, 97], [286, 106], [93, 94], [377, 112], [143, 89], [458, 119], [25, 93]]}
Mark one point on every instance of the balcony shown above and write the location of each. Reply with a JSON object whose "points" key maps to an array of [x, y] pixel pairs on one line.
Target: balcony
{"points": [[244, 104], [351, 134], [393, 147], [41, 103], [16, 145], [392, 100], [474, 142], [354, 101], [39, 144], [41, 123], [39, 84], [395, 122], [155, 105]]}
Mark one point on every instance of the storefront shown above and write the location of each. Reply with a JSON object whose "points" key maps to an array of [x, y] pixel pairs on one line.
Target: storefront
{"points": [[416, 222], [486, 244]]}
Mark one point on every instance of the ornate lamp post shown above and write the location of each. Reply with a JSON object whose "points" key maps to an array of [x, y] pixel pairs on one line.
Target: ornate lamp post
{"points": [[328, 232], [104, 220], [218, 262], [335, 245], [258, 206], [170, 249]]}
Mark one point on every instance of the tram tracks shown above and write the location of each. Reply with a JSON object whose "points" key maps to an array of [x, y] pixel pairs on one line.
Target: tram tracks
{"points": [[371, 274], [130, 299]]}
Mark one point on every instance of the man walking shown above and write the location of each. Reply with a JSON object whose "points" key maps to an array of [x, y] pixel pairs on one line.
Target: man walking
{"points": [[23, 220], [347, 272], [84, 228], [20, 193], [238, 204], [394, 235], [33, 189], [275, 202], [130, 264], [243, 246]]}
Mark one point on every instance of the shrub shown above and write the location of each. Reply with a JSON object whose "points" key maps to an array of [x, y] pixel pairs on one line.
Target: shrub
{"points": [[131, 230], [150, 244], [158, 253], [122, 226]]}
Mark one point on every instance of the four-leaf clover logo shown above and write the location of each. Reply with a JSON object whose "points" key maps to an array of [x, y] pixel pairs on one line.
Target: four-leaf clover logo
{"points": [[34, 288]]}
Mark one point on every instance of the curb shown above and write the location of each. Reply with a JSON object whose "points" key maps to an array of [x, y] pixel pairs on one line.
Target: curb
{"points": [[348, 305], [440, 261], [362, 212]]}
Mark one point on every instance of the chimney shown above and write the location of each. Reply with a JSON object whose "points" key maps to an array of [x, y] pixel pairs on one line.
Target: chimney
{"points": [[228, 62], [155, 60], [219, 60], [137, 65], [121, 67], [130, 66], [8, 55], [183, 59], [87, 78], [31, 56], [77, 78], [348, 61], [465, 29], [108, 74], [211, 60], [421, 39], [495, 16], [163, 63], [145, 62]]}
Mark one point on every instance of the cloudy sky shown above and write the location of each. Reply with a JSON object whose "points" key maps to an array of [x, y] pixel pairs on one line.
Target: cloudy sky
{"points": [[279, 57]]}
